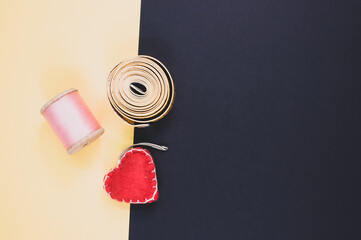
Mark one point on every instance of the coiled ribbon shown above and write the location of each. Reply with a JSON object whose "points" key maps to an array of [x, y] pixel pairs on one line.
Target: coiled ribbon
{"points": [[140, 90]]}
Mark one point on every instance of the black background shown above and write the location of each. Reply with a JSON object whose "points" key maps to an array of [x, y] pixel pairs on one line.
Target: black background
{"points": [[265, 134]]}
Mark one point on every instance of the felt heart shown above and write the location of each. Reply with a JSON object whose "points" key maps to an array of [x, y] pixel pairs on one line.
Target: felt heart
{"points": [[134, 179]]}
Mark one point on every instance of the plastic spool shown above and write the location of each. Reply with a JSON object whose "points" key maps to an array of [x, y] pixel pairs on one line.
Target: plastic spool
{"points": [[71, 120], [140, 90]]}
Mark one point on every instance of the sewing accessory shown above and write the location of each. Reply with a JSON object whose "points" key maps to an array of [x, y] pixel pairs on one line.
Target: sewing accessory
{"points": [[140, 90], [71, 120], [134, 179]]}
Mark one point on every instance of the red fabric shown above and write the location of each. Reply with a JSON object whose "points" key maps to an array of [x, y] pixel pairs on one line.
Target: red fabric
{"points": [[134, 180]]}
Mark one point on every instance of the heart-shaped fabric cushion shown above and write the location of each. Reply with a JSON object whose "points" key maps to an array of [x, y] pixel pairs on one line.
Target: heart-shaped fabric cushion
{"points": [[134, 180]]}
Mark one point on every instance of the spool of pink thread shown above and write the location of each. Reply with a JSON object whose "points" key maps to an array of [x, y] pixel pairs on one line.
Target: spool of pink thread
{"points": [[71, 120]]}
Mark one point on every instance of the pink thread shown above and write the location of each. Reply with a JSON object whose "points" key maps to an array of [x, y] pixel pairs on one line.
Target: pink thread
{"points": [[70, 118]]}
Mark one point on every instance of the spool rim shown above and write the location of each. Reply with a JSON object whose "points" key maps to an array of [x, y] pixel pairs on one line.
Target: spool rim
{"points": [[79, 145], [56, 98]]}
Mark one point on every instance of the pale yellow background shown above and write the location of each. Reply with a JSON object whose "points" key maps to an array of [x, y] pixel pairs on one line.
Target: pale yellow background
{"points": [[47, 47]]}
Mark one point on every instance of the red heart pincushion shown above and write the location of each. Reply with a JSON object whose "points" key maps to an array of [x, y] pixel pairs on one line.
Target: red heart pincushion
{"points": [[134, 180]]}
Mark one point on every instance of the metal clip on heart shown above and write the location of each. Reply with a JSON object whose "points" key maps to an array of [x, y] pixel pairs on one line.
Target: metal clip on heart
{"points": [[155, 146], [140, 90]]}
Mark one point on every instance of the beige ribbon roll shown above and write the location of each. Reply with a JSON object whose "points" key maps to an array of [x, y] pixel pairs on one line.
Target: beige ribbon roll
{"points": [[140, 90]]}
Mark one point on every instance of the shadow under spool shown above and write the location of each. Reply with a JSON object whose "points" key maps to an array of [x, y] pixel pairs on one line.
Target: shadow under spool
{"points": [[71, 120]]}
